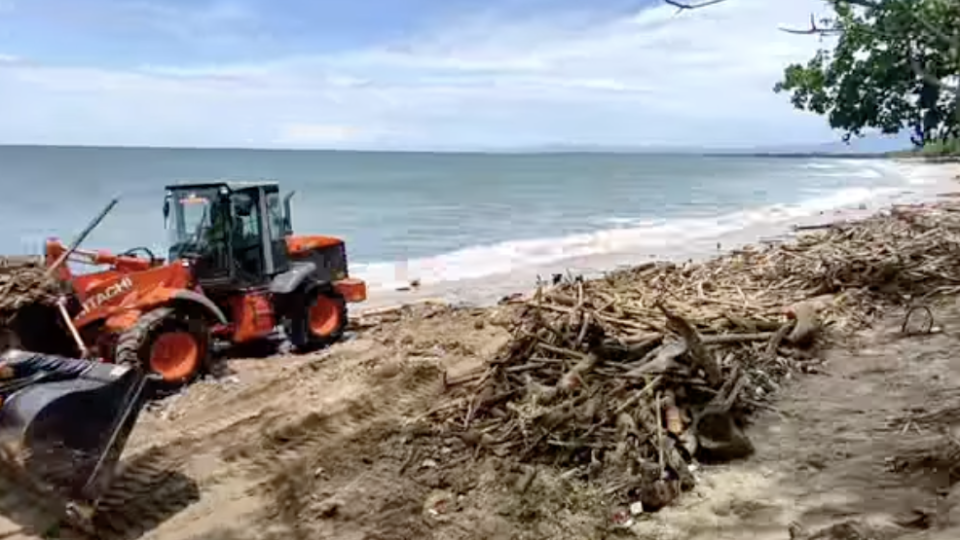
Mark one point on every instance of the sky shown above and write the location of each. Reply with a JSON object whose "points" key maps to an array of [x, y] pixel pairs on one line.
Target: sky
{"points": [[401, 74]]}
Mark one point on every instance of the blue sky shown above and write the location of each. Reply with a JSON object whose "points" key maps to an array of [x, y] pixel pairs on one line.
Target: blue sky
{"points": [[400, 74]]}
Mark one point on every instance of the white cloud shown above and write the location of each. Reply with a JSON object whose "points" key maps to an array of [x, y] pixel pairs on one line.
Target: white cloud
{"points": [[702, 77], [312, 135]]}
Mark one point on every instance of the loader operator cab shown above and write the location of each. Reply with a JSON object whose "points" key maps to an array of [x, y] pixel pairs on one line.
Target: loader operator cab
{"points": [[233, 232]]}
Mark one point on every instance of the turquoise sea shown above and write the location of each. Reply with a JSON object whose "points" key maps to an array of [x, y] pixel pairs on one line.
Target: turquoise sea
{"points": [[438, 217]]}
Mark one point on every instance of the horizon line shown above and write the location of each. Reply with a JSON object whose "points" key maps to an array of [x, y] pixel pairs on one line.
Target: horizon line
{"points": [[802, 148]]}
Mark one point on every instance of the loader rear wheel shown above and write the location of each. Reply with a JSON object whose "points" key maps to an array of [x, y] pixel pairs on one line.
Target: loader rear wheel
{"points": [[168, 344], [321, 320], [326, 317]]}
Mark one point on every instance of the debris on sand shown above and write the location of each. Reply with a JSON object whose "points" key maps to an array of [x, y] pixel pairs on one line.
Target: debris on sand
{"points": [[27, 304], [847, 530], [629, 380], [937, 443], [22, 282]]}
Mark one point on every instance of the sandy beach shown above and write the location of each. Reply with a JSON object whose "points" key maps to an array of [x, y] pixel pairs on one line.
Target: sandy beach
{"points": [[503, 270], [364, 441]]}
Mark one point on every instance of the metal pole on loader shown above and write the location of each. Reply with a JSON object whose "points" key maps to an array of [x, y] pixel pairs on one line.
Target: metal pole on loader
{"points": [[61, 303], [81, 237]]}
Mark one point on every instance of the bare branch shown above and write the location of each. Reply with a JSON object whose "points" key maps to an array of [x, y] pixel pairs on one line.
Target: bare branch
{"points": [[681, 6], [813, 30]]}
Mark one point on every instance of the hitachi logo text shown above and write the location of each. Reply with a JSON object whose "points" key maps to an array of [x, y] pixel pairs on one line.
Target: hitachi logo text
{"points": [[105, 295]]}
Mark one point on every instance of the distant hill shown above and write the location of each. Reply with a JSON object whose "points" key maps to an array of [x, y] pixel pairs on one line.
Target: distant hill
{"points": [[870, 145], [866, 145]]}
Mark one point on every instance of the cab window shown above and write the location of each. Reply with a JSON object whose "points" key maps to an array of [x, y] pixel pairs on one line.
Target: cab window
{"points": [[247, 215], [275, 219]]}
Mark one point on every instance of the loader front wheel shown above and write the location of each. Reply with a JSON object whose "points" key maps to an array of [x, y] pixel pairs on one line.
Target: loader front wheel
{"points": [[173, 346]]}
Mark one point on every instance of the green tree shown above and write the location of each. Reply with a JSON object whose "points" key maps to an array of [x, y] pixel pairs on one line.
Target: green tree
{"points": [[887, 65]]}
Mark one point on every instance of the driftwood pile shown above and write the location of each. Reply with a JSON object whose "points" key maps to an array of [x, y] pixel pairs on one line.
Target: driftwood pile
{"points": [[630, 379], [22, 283]]}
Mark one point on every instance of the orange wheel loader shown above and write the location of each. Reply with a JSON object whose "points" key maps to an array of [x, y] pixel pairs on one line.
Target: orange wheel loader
{"points": [[235, 274]]}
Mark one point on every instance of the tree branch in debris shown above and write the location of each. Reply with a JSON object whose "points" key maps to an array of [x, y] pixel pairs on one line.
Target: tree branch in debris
{"points": [[681, 6]]}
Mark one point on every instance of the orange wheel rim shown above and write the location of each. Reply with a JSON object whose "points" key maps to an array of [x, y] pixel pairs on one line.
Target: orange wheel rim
{"points": [[175, 355], [324, 316]]}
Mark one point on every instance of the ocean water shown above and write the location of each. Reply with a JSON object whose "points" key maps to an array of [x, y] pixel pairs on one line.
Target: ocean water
{"points": [[440, 217]]}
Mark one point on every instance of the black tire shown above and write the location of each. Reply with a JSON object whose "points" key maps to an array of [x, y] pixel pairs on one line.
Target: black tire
{"points": [[302, 336], [147, 491], [134, 345]]}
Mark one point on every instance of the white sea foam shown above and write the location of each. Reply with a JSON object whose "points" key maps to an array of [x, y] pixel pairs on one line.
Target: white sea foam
{"points": [[818, 165], [640, 236], [862, 173], [919, 174]]}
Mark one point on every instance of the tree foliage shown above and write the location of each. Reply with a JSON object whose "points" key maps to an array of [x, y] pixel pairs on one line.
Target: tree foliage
{"points": [[892, 66], [889, 65]]}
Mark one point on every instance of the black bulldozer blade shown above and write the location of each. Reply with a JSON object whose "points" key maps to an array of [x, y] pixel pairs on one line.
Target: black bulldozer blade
{"points": [[63, 424]]}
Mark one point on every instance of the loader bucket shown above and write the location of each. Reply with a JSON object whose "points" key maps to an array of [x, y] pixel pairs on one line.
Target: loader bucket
{"points": [[64, 423]]}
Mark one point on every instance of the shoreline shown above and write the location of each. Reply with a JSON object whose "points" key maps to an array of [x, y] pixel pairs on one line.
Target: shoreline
{"points": [[926, 183]]}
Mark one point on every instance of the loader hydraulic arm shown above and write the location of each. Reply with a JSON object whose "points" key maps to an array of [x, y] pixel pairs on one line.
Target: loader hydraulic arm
{"points": [[121, 263]]}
